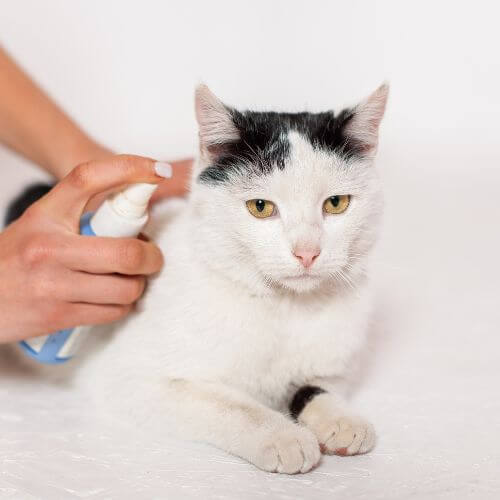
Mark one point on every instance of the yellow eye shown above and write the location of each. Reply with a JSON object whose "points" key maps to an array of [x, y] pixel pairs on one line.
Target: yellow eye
{"points": [[336, 204], [260, 208]]}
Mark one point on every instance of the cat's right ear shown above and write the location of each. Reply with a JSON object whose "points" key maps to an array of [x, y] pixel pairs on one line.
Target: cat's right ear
{"points": [[365, 121], [215, 123]]}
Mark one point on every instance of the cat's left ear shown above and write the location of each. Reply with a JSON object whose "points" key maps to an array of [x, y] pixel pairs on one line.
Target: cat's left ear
{"points": [[365, 121], [215, 121]]}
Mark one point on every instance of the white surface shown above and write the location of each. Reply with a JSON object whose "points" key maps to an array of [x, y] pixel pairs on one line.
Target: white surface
{"points": [[431, 384]]}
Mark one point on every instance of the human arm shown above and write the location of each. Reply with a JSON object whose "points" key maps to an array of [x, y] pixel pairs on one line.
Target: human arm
{"points": [[34, 126]]}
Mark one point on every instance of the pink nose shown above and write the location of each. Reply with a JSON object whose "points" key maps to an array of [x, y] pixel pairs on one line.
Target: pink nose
{"points": [[306, 257]]}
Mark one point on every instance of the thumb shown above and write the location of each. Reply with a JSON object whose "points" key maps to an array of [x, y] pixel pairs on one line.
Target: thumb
{"points": [[67, 200]]}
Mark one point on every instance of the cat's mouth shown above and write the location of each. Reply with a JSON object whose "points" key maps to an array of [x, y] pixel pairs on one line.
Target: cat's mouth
{"points": [[300, 276], [301, 282], [304, 277]]}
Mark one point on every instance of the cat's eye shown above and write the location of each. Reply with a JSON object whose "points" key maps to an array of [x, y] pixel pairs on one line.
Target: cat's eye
{"points": [[336, 204], [261, 208]]}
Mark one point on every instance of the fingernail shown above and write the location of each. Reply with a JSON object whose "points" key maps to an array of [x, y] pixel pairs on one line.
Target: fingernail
{"points": [[163, 169]]}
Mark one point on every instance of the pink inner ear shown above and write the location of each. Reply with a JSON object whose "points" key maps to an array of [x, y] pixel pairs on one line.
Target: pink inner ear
{"points": [[215, 122], [366, 148], [365, 123]]}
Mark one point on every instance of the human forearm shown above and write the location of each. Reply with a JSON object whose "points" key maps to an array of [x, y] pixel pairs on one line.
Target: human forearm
{"points": [[34, 126]]}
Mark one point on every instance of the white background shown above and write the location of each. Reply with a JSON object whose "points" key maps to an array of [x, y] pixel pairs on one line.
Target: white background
{"points": [[126, 71]]}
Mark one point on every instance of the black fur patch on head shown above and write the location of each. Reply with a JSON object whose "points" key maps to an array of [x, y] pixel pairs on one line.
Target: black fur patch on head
{"points": [[302, 397], [264, 144]]}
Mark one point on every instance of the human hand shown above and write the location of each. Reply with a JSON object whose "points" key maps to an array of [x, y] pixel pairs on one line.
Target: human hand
{"points": [[175, 186], [52, 278]]}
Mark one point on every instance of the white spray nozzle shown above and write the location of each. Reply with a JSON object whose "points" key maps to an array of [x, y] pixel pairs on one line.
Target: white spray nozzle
{"points": [[125, 214], [133, 201]]}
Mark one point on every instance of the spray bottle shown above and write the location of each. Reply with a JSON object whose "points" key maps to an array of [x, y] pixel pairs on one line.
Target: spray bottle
{"points": [[123, 215]]}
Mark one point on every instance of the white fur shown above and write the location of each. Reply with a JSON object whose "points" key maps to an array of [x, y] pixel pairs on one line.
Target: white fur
{"points": [[234, 325]]}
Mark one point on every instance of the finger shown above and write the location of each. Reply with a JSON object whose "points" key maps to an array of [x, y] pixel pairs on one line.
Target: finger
{"points": [[66, 201], [96, 201], [100, 289], [99, 255], [178, 184], [91, 314]]}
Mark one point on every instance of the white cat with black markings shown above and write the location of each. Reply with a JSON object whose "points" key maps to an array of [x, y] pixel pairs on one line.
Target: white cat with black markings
{"points": [[246, 337]]}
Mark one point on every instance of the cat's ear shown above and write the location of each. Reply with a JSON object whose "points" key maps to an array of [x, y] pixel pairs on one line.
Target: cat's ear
{"points": [[364, 123], [215, 123]]}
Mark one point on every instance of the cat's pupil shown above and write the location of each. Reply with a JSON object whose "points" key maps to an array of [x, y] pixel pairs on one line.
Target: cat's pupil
{"points": [[335, 201], [259, 205]]}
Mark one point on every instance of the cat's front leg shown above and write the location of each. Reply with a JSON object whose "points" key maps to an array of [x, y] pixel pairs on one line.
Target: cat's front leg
{"points": [[321, 407], [235, 422]]}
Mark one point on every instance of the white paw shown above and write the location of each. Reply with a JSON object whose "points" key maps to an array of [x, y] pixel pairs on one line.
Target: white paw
{"points": [[289, 451], [344, 435]]}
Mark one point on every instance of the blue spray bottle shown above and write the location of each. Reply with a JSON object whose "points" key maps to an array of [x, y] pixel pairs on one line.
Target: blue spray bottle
{"points": [[123, 215]]}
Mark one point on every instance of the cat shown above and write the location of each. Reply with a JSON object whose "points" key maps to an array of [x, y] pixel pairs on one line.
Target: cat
{"points": [[247, 338]]}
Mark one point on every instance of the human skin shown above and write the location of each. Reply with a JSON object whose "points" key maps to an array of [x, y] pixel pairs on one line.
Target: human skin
{"points": [[51, 277], [34, 126]]}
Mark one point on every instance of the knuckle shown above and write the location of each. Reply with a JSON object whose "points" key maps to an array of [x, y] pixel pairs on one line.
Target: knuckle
{"points": [[126, 164], [81, 177], [37, 249], [42, 288], [130, 162], [132, 256], [126, 160], [32, 213]]}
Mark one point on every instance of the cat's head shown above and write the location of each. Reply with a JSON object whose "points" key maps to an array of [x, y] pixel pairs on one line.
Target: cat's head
{"points": [[287, 201]]}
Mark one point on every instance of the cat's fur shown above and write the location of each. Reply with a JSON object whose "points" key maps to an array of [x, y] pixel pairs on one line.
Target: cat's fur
{"points": [[236, 342]]}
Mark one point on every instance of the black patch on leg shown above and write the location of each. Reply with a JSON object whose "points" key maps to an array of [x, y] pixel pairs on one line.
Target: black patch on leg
{"points": [[302, 397], [17, 206]]}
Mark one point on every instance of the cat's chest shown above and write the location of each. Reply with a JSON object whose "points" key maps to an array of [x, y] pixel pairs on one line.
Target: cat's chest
{"points": [[272, 345], [259, 344]]}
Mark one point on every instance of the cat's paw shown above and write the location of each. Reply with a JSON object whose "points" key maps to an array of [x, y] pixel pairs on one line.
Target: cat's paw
{"points": [[343, 435], [290, 450]]}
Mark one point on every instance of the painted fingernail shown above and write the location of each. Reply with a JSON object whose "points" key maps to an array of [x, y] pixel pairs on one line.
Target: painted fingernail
{"points": [[163, 169]]}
